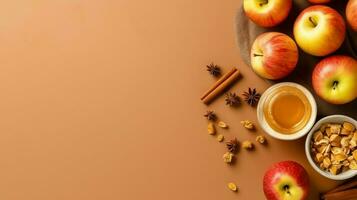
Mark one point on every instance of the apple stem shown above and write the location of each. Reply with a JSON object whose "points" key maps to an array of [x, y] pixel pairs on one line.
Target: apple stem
{"points": [[286, 189], [263, 2], [255, 54], [334, 85], [312, 21]]}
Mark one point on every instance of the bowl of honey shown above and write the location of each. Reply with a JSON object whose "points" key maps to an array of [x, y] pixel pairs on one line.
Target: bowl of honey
{"points": [[287, 111]]}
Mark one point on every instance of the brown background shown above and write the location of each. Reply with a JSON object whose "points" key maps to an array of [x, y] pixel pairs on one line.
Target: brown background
{"points": [[100, 100]]}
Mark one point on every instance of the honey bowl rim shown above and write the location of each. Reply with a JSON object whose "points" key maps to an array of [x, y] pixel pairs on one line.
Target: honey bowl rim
{"points": [[294, 136]]}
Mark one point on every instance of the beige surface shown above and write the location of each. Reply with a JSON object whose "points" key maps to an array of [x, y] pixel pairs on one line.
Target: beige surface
{"points": [[100, 100]]}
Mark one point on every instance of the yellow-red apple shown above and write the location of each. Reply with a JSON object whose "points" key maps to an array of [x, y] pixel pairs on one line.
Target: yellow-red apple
{"points": [[319, 1], [319, 30], [335, 79], [351, 14], [286, 180], [267, 13], [274, 55]]}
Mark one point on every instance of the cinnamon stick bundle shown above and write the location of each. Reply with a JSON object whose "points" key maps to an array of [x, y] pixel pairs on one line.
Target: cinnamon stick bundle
{"points": [[225, 81], [346, 191]]}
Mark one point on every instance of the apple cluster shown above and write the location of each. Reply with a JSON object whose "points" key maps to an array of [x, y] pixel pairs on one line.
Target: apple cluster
{"points": [[319, 30]]}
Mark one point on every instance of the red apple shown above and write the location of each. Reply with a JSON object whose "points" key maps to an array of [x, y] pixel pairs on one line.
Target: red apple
{"points": [[286, 180], [319, 1], [274, 55], [335, 79], [319, 30], [267, 13], [351, 14]]}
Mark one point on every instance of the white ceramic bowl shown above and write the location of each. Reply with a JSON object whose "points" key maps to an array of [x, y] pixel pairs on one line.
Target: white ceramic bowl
{"points": [[329, 119], [264, 124]]}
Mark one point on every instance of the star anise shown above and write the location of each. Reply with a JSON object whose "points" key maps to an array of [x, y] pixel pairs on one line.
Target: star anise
{"points": [[233, 145], [210, 115], [232, 99], [251, 97], [213, 69]]}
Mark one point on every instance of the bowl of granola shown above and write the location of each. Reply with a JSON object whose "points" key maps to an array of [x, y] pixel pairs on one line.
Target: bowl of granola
{"points": [[331, 147]]}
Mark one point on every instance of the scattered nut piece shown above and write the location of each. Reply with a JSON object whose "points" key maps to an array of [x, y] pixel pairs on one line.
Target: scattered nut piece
{"points": [[247, 124], [228, 157], [222, 124], [220, 138], [232, 187], [261, 139], [211, 129], [248, 145]]}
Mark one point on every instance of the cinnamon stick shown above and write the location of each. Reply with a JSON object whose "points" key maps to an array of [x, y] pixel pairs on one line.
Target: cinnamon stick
{"points": [[225, 81], [343, 195], [345, 186]]}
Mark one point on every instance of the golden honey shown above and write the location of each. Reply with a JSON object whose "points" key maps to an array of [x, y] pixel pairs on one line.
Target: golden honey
{"points": [[287, 110]]}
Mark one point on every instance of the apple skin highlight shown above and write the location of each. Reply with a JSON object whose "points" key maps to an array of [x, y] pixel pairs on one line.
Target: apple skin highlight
{"points": [[319, 30], [274, 55], [267, 13], [334, 79]]}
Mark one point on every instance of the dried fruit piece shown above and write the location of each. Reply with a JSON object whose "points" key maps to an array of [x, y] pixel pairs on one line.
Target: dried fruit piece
{"points": [[261, 139], [354, 154], [348, 126], [337, 150], [232, 187], [211, 129], [345, 132], [247, 145], [247, 124], [340, 157], [228, 157], [318, 136], [353, 164], [326, 163], [319, 157], [222, 124], [334, 169], [322, 141], [323, 128], [335, 128], [345, 141], [220, 138]]}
